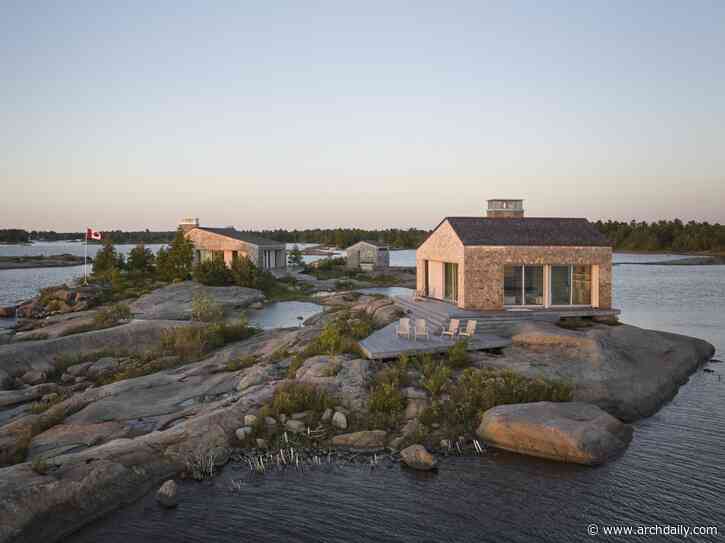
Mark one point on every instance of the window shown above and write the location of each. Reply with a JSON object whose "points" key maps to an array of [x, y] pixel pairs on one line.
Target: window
{"points": [[534, 285], [523, 285], [560, 285], [571, 285], [451, 281]]}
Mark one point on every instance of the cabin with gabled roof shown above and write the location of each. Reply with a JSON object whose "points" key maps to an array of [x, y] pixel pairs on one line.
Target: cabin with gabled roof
{"points": [[229, 243], [508, 261]]}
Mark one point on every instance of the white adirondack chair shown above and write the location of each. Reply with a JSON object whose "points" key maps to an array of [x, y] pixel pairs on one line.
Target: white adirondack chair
{"points": [[452, 328], [403, 328], [421, 329], [470, 330]]}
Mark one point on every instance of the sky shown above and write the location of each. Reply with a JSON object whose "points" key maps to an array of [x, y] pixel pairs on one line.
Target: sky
{"points": [[134, 114]]}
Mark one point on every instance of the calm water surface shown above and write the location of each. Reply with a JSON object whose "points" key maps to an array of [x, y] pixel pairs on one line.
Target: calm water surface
{"points": [[671, 474]]}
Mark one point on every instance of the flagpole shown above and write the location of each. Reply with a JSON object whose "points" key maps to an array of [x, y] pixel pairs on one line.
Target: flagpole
{"points": [[85, 258]]}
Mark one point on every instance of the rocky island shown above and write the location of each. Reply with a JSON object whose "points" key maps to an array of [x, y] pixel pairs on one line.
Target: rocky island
{"points": [[101, 402]]}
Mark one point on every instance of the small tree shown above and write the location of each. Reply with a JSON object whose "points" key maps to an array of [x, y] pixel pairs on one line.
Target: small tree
{"points": [[175, 263], [140, 260], [244, 272], [295, 256], [106, 260]]}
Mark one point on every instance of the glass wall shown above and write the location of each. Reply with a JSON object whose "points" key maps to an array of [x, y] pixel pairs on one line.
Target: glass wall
{"points": [[568, 285], [560, 285], [534, 285]]}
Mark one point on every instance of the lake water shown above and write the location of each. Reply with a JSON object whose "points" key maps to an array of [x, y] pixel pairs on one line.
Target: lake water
{"points": [[283, 314], [671, 474]]}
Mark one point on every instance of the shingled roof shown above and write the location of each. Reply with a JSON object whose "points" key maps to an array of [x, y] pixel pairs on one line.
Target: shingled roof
{"points": [[241, 236], [527, 231]]}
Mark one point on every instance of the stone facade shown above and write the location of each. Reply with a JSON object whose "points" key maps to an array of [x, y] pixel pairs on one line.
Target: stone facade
{"points": [[481, 268], [209, 241]]}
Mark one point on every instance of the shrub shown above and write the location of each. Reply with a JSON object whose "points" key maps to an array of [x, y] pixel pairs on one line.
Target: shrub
{"points": [[395, 374], [279, 354], [213, 272], [40, 466], [243, 272], [296, 364], [187, 342], [436, 377], [204, 309], [175, 263], [140, 260], [297, 397], [241, 363], [458, 354], [109, 316], [385, 405]]}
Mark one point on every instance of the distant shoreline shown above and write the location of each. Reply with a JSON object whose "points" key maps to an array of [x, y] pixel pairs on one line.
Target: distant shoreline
{"points": [[29, 262]]}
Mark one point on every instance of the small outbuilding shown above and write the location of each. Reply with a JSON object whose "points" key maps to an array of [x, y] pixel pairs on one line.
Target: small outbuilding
{"points": [[368, 256]]}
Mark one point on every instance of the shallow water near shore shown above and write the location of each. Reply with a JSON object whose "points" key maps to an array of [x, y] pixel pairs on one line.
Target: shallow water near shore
{"points": [[671, 474]]}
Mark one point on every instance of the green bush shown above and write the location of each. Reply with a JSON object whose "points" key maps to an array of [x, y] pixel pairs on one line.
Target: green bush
{"points": [[213, 272], [395, 374], [458, 354], [40, 466], [436, 377], [204, 309], [175, 263], [385, 405], [297, 397], [242, 363], [110, 316], [296, 364]]}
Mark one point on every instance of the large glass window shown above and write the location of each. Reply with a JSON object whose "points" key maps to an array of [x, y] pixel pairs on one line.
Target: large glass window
{"points": [[581, 285], [451, 281], [534, 285], [513, 285], [560, 285]]}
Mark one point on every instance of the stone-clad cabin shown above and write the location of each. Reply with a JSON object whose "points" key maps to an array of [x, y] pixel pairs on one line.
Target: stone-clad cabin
{"points": [[368, 255], [508, 261], [228, 242]]}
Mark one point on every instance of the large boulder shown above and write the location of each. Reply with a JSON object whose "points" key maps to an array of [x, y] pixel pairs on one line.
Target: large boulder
{"points": [[364, 440], [574, 432], [173, 302], [417, 457], [344, 378], [627, 371]]}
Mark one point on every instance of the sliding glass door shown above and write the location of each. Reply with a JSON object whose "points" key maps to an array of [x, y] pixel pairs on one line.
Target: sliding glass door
{"points": [[523, 285], [451, 282], [571, 285]]}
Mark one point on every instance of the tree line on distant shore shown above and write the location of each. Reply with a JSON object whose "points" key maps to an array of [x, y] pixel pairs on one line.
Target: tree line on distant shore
{"points": [[662, 235], [665, 236], [397, 238]]}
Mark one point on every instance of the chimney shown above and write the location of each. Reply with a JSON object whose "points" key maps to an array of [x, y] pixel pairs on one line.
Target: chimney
{"points": [[505, 208], [187, 224]]}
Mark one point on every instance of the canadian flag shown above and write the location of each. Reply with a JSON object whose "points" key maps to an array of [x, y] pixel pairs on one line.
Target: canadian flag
{"points": [[93, 234]]}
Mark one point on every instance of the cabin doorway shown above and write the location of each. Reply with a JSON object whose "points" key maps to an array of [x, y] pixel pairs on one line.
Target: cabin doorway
{"points": [[451, 282]]}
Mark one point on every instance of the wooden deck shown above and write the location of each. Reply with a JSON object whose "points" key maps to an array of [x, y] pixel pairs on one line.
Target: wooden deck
{"points": [[385, 344]]}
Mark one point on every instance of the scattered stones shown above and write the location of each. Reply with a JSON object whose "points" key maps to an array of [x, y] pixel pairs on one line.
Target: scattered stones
{"points": [[568, 432], [300, 416], [339, 420], [296, 426], [103, 366], [34, 377], [270, 422], [410, 428], [415, 408], [250, 420], [48, 398], [79, 369], [7, 312], [167, 494], [327, 415], [413, 393], [257, 305], [417, 457], [364, 440], [261, 443], [244, 432], [221, 455]]}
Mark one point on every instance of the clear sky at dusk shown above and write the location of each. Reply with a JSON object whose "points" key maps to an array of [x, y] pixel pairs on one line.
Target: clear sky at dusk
{"points": [[373, 114]]}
